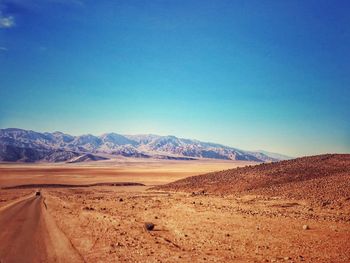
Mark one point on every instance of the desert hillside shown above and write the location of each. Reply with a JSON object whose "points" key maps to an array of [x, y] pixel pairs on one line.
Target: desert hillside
{"points": [[322, 179]]}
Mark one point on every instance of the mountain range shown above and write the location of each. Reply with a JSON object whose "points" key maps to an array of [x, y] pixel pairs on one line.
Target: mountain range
{"points": [[18, 145]]}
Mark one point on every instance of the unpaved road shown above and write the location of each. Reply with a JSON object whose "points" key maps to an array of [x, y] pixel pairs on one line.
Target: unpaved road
{"points": [[28, 234]]}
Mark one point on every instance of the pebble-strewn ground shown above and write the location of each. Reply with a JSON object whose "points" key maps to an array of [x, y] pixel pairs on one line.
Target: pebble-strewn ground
{"points": [[106, 224], [293, 211], [7, 197], [323, 180]]}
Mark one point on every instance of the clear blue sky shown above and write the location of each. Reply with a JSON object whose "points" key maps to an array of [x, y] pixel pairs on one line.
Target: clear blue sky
{"points": [[272, 75]]}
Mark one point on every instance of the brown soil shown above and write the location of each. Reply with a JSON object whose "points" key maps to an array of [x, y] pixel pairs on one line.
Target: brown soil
{"points": [[107, 223], [30, 186], [28, 234], [321, 180], [148, 172]]}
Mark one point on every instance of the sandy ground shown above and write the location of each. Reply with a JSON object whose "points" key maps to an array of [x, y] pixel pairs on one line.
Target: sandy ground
{"points": [[149, 172], [106, 224], [28, 234]]}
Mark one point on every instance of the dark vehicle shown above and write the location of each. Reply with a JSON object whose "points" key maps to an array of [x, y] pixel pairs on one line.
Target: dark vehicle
{"points": [[37, 193]]}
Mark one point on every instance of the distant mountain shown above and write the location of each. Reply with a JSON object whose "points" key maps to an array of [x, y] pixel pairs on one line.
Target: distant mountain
{"points": [[87, 157], [30, 146], [276, 155]]}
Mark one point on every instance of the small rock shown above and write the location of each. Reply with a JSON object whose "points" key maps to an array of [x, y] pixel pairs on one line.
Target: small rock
{"points": [[306, 227], [121, 200], [149, 226], [287, 258]]}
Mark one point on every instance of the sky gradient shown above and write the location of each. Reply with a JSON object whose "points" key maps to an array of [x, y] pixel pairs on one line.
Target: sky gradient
{"points": [[271, 75]]}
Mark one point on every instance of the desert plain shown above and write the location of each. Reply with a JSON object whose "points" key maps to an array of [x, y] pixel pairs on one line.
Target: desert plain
{"points": [[87, 213]]}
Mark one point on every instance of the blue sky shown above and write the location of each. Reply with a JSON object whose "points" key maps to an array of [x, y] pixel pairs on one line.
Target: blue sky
{"points": [[272, 75]]}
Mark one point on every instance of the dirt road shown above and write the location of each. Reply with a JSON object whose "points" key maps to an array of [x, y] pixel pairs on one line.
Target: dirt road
{"points": [[28, 234]]}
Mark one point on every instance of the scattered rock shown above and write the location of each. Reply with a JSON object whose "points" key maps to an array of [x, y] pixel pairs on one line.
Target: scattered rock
{"points": [[325, 203], [306, 227], [149, 226]]}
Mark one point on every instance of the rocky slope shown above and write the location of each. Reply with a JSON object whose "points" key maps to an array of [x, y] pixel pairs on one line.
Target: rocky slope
{"points": [[322, 179], [31, 146]]}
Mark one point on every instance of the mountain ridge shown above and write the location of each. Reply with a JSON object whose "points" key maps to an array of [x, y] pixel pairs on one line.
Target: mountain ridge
{"points": [[31, 146]]}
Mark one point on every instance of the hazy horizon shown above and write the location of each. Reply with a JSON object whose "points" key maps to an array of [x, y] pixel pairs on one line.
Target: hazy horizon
{"points": [[270, 76]]}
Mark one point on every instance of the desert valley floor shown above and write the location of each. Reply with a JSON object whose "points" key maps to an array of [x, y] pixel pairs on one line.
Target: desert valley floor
{"points": [[195, 220]]}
